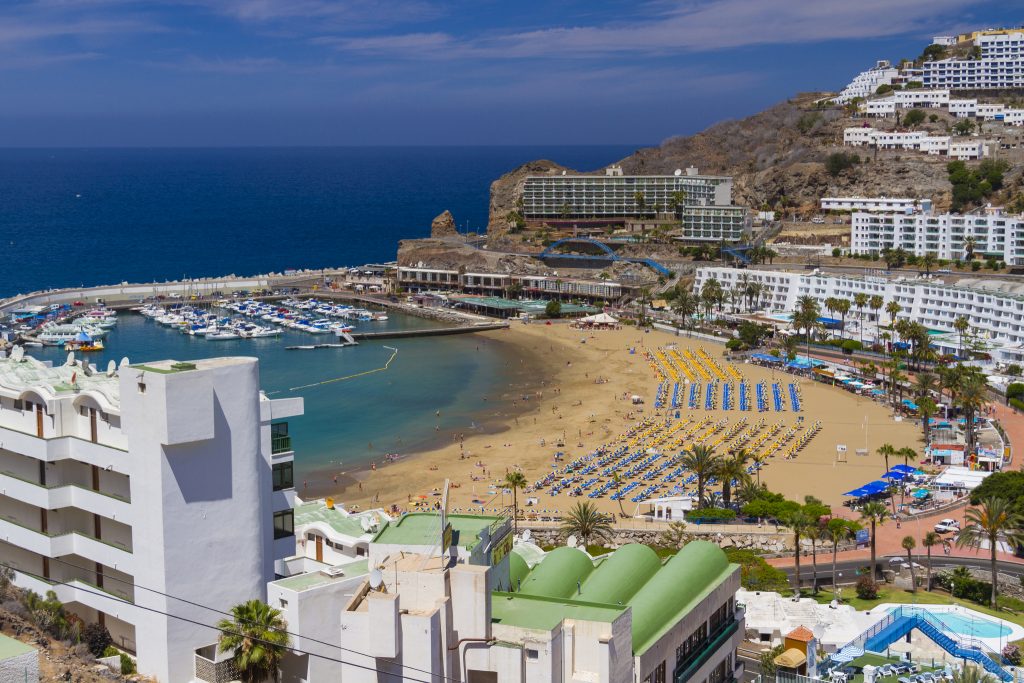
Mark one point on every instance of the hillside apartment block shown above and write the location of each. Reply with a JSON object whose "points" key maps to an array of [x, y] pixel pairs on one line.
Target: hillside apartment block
{"points": [[964, 149], [706, 211], [882, 204], [999, 66], [995, 234], [995, 316], [119, 489], [883, 107]]}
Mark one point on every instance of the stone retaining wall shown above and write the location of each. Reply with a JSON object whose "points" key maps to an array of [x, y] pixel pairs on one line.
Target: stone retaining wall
{"points": [[768, 542]]}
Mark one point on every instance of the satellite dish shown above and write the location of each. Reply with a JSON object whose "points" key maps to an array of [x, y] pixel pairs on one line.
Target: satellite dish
{"points": [[526, 535], [365, 523], [571, 542], [678, 172], [111, 368], [123, 363], [376, 579], [71, 359]]}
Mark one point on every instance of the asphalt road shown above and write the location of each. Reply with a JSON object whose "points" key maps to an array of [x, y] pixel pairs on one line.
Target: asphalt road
{"points": [[847, 568]]}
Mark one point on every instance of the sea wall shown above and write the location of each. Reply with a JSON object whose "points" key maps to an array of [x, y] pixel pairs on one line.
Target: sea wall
{"points": [[728, 536]]}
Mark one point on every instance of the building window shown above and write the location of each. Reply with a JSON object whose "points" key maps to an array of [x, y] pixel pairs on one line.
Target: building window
{"points": [[284, 603], [280, 442], [532, 655], [19, 404], [659, 674], [284, 475], [284, 524]]}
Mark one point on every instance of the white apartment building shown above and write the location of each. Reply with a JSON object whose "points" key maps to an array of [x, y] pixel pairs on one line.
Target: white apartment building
{"points": [[883, 204], [943, 236], [419, 278], [1001, 64], [997, 317], [494, 608], [866, 83], [121, 488], [964, 149]]}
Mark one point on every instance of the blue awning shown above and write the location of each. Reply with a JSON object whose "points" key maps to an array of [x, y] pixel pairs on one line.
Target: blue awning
{"points": [[767, 357], [894, 474], [903, 468]]}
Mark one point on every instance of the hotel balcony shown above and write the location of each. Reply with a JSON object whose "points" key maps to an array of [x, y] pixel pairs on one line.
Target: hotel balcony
{"points": [[66, 534], [56, 496], [59, 448]]}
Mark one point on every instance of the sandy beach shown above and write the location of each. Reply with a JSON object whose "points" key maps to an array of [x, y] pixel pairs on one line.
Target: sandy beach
{"points": [[579, 384]]}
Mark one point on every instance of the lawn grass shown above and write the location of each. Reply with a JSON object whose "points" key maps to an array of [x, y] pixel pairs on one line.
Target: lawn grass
{"points": [[848, 596]]}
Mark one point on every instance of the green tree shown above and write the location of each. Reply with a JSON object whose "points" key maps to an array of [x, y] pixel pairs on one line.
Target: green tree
{"points": [[257, 633], [908, 543], [587, 523], [913, 118], [675, 535], [874, 513], [860, 300], [731, 467], [972, 397], [702, 461], [992, 521], [963, 127], [838, 530], [930, 540], [801, 525], [515, 480], [553, 309], [837, 162], [806, 318], [972, 674], [961, 325]]}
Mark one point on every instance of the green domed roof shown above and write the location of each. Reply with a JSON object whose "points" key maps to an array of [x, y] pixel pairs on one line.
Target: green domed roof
{"points": [[557, 575], [621, 575], [694, 570], [518, 570]]}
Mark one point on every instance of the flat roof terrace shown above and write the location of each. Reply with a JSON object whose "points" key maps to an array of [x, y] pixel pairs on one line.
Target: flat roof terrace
{"points": [[424, 528]]}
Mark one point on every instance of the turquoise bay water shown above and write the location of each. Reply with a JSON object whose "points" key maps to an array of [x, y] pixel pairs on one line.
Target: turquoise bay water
{"points": [[349, 424]]}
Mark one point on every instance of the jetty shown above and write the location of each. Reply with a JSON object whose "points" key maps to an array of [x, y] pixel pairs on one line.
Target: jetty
{"points": [[428, 332]]}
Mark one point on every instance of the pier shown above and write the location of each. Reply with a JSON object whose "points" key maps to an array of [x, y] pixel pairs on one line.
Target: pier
{"points": [[435, 332]]}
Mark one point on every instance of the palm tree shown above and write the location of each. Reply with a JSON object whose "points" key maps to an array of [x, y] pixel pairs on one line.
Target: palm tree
{"points": [[886, 450], [860, 300], [730, 467], [258, 635], [838, 530], [908, 454], [874, 513], [685, 304], [972, 674], [515, 480], [927, 408], [961, 324], [925, 383], [617, 480], [815, 533], [806, 317], [641, 202], [992, 521], [893, 309], [710, 291], [842, 306], [585, 521], [971, 398], [909, 544], [801, 524], [702, 461], [969, 244], [930, 540], [928, 261], [875, 303]]}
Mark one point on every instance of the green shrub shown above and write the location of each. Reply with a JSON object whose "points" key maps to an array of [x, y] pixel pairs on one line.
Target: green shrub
{"points": [[711, 514], [1017, 403], [1014, 389], [851, 345], [734, 344], [755, 573], [867, 589], [127, 665], [836, 252], [1014, 370], [837, 162]]}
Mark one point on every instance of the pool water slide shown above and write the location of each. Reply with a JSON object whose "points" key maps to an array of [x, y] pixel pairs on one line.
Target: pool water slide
{"points": [[901, 621]]}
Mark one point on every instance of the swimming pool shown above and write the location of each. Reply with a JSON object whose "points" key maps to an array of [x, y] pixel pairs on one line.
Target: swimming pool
{"points": [[967, 624]]}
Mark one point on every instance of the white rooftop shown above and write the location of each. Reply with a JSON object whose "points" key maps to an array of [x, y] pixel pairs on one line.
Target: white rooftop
{"points": [[774, 614], [25, 375]]}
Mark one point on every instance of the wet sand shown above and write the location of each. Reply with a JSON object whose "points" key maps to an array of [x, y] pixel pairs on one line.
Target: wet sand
{"points": [[579, 383]]}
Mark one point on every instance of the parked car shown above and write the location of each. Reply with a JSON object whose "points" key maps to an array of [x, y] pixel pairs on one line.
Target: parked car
{"points": [[947, 526]]}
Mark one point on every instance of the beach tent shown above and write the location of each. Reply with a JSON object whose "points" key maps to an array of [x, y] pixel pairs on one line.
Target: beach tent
{"points": [[960, 477]]}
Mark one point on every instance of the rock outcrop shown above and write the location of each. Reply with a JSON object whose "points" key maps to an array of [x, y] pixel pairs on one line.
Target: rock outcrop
{"points": [[506, 190], [443, 225]]}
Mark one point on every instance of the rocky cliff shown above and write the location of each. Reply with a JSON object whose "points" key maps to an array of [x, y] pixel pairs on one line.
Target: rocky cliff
{"points": [[777, 158], [443, 225], [506, 190]]}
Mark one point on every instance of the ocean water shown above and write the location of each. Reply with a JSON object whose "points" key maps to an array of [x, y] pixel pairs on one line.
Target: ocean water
{"points": [[434, 388], [73, 217]]}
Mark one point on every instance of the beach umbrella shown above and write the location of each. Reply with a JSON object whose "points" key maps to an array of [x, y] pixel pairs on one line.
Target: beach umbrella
{"points": [[83, 337], [848, 654]]}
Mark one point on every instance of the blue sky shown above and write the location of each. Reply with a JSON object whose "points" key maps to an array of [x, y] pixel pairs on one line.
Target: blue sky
{"points": [[337, 72]]}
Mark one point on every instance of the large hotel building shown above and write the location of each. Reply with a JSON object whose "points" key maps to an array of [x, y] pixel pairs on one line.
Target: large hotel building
{"points": [[702, 204], [141, 494]]}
